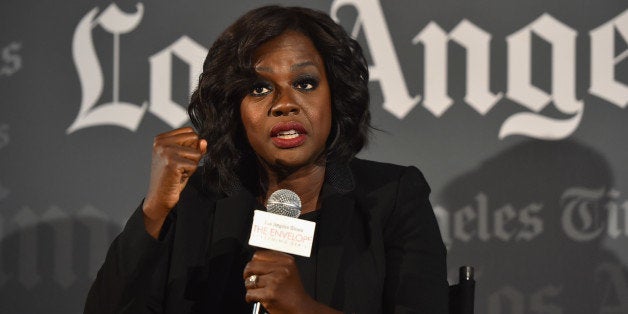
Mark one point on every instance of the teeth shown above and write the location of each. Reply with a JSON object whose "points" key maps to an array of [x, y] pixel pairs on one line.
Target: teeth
{"points": [[288, 134]]}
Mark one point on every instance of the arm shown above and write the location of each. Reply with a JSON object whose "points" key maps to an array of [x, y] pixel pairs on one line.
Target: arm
{"points": [[134, 275], [416, 270]]}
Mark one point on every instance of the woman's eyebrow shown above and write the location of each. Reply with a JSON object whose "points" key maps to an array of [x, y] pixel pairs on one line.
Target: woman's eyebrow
{"points": [[293, 68], [263, 69], [301, 65]]}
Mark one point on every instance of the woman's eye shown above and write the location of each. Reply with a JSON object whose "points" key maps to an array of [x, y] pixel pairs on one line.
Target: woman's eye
{"points": [[260, 90], [306, 84]]}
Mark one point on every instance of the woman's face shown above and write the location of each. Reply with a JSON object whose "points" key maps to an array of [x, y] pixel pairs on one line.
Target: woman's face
{"points": [[287, 113]]}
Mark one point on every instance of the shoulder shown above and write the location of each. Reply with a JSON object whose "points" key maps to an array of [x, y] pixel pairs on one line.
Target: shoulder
{"points": [[373, 175]]}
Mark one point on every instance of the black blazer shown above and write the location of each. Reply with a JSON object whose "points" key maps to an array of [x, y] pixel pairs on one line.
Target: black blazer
{"points": [[379, 249]]}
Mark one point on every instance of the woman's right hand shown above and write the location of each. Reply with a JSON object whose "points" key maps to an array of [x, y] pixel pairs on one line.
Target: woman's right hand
{"points": [[175, 157]]}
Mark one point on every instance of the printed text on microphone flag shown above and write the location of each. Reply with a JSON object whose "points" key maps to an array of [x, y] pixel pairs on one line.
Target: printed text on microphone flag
{"points": [[282, 233]]}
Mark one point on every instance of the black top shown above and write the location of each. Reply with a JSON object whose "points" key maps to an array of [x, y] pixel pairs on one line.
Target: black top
{"points": [[307, 265]]}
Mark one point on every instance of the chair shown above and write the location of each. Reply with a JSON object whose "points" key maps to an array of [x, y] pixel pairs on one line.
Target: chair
{"points": [[462, 295]]}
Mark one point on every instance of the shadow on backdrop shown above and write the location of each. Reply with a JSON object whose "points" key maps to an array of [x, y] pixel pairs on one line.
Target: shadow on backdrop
{"points": [[532, 220]]}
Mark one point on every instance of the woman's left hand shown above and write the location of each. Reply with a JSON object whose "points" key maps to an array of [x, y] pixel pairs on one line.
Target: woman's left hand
{"points": [[278, 286]]}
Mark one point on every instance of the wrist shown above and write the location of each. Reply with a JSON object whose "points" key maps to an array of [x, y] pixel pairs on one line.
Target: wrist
{"points": [[153, 219], [153, 210]]}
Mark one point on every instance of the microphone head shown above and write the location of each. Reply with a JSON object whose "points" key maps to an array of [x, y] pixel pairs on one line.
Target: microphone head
{"points": [[284, 202]]}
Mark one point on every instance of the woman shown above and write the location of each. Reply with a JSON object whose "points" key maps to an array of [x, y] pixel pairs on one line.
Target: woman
{"points": [[282, 103]]}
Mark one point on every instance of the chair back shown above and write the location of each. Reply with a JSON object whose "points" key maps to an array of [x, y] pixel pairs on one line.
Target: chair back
{"points": [[462, 295]]}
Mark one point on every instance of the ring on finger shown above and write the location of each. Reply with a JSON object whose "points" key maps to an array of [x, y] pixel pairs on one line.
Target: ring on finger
{"points": [[251, 281]]}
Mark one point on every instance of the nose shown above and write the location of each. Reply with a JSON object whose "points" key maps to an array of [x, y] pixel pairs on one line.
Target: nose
{"points": [[285, 104]]}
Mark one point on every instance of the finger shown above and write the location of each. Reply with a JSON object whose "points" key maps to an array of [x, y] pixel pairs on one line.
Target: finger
{"points": [[170, 133], [185, 152], [257, 295], [187, 139], [166, 155], [272, 256], [267, 261], [174, 167], [192, 141], [257, 284], [183, 165], [257, 268], [202, 146], [271, 270], [267, 297]]}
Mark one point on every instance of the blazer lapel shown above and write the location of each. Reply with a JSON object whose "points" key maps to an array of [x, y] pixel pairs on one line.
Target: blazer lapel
{"points": [[232, 223], [335, 218], [230, 232]]}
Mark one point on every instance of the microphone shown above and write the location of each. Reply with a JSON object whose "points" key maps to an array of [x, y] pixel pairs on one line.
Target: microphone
{"points": [[284, 202], [279, 228]]}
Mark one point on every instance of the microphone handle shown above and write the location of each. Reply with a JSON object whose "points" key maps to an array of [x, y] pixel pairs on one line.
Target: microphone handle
{"points": [[256, 307]]}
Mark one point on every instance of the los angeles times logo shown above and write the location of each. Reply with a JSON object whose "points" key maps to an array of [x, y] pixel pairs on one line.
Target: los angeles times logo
{"points": [[11, 61]]}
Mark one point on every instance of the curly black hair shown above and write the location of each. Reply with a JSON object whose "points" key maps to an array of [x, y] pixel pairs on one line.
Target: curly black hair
{"points": [[228, 76]]}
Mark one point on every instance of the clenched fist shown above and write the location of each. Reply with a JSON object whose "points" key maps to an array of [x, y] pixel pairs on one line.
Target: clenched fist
{"points": [[175, 157]]}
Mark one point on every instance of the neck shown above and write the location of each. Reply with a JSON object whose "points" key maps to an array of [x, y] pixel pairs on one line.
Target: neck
{"points": [[306, 182]]}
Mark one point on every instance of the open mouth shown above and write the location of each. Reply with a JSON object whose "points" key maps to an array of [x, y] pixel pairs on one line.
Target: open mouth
{"points": [[288, 134], [287, 130]]}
